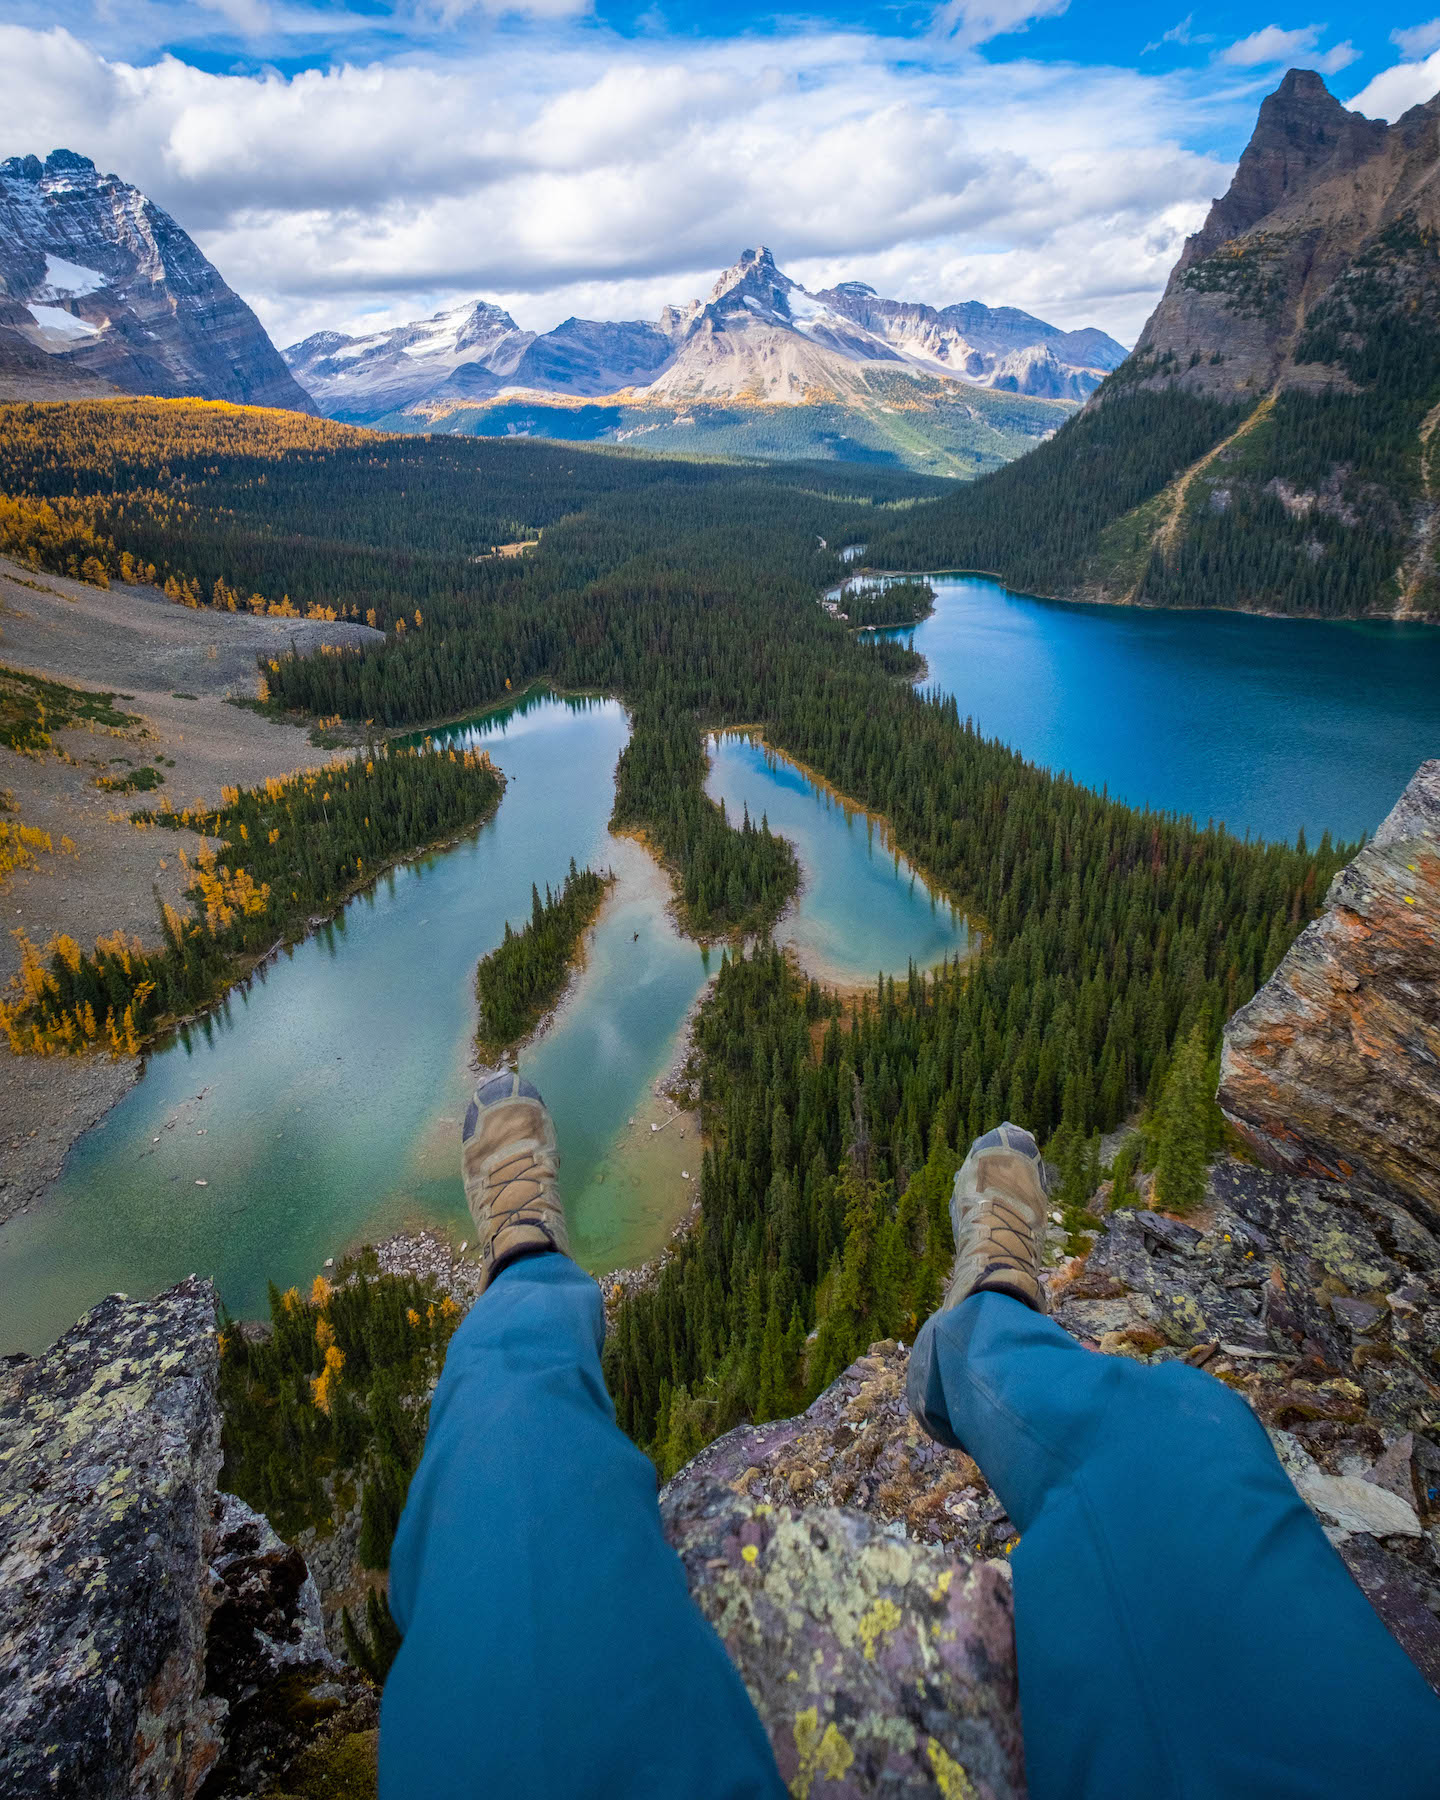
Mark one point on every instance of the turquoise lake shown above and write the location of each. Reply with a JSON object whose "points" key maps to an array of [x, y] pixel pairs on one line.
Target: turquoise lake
{"points": [[321, 1106], [1268, 725]]}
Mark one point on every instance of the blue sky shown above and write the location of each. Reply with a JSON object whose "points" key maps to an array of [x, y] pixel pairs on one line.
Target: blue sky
{"points": [[361, 162]]}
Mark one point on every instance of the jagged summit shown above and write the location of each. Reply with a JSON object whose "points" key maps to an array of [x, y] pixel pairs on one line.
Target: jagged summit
{"points": [[102, 292], [1281, 403], [1315, 189], [1303, 134], [30, 168], [759, 336]]}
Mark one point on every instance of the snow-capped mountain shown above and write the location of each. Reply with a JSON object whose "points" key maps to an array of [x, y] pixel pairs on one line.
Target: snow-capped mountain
{"points": [[760, 337], [998, 347], [102, 292], [472, 353]]}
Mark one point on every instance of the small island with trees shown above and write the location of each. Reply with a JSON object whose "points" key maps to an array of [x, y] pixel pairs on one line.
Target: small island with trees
{"points": [[521, 979], [887, 603]]}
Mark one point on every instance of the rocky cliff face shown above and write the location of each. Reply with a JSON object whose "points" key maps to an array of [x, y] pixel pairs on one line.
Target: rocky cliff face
{"points": [[102, 292], [1291, 385], [1333, 1069], [1314, 189], [156, 1637]]}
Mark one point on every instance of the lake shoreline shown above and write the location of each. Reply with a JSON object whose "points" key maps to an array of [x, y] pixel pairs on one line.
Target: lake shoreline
{"points": [[486, 1054], [932, 884], [1119, 604], [67, 1110]]}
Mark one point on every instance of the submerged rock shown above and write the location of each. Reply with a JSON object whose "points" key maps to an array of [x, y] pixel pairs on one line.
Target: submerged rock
{"points": [[1333, 1069]]}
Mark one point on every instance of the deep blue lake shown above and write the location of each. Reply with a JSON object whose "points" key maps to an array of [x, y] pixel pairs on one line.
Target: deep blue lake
{"points": [[1266, 724]]}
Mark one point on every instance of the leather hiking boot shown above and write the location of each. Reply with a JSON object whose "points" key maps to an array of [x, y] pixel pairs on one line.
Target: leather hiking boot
{"points": [[998, 1212], [508, 1161]]}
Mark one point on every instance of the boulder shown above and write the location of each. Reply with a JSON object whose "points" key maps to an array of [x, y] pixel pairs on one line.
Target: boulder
{"points": [[1333, 1069], [157, 1639], [879, 1665]]}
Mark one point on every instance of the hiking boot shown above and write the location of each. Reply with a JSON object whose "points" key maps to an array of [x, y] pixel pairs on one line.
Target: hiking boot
{"points": [[508, 1161], [998, 1212]]}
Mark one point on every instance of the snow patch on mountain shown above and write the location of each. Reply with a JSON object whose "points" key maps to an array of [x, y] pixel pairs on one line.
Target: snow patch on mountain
{"points": [[102, 291], [67, 280], [758, 337], [56, 322]]}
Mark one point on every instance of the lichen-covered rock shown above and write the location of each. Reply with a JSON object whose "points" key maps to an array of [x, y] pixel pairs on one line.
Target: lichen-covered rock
{"points": [[1333, 1069], [109, 1452], [157, 1639], [880, 1666], [859, 1446]]}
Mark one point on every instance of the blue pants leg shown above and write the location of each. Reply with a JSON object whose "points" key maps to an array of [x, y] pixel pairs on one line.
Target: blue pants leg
{"points": [[552, 1651], [1184, 1630]]}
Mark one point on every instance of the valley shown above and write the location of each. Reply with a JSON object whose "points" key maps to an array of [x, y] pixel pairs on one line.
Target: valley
{"points": [[794, 731], [1262, 740], [255, 1146]]}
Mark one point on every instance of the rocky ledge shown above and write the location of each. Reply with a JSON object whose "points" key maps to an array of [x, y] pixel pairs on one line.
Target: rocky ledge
{"points": [[156, 1636], [879, 1665], [1333, 1069]]}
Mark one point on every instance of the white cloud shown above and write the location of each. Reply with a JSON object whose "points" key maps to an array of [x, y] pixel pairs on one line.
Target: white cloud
{"points": [[562, 173], [1272, 44], [1177, 34], [1417, 40], [972, 22], [1397, 89]]}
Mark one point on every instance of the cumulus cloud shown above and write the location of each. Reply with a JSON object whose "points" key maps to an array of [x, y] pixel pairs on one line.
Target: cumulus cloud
{"points": [[1415, 41], [1396, 90], [1272, 44], [573, 172]]}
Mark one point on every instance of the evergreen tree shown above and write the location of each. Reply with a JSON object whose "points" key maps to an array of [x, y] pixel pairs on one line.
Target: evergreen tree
{"points": [[374, 1649], [1181, 1129]]}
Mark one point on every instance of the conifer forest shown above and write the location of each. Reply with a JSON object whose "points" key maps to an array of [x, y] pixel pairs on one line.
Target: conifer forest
{"points": [[1114, 942]]}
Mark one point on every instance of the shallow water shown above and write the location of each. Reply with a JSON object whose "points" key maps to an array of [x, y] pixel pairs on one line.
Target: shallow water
{"points": [[1266, 725], [861, 911], [321, 1106]]}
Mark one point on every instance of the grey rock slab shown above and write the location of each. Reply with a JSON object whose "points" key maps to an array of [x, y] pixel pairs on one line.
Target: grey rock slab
{"points": [[109, 1452], [879, 1666]]}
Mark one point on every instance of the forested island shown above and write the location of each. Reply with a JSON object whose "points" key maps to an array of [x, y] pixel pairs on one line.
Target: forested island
{"points": [[870, 606], [522, 977]]}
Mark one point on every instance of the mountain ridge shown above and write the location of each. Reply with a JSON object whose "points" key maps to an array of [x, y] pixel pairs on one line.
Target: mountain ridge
{"points": [[101, 292], [759, 336], [1267, 446]]}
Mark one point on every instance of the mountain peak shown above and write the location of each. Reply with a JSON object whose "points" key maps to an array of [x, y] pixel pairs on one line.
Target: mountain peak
{"points": [[69, 160], [1303, 134], [755, 270], [105, 292], [58, 162]]}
